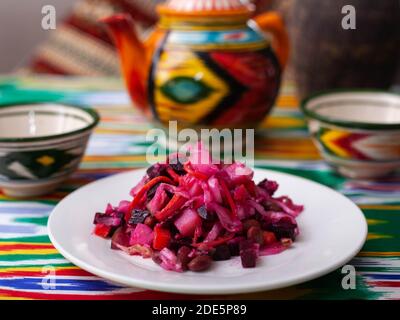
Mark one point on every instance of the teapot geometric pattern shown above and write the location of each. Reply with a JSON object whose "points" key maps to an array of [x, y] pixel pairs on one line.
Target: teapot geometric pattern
{"points": [[207, 63], [193, 85]]}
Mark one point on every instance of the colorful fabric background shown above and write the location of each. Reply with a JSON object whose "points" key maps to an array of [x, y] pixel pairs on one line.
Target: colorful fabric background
{"points": [[119, 144], [81, 45]]}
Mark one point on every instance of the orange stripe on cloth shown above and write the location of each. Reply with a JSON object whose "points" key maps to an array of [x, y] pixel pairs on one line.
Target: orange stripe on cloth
{"points": [[287, 101], [379, 254]]}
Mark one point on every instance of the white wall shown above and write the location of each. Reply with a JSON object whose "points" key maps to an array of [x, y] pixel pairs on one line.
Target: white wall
{"points": [[20, 28]]}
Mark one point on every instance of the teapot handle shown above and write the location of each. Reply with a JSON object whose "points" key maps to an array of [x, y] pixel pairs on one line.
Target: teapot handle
{"points": [[272, 22]]}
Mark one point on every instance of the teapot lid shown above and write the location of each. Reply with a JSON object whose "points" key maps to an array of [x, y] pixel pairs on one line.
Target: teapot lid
{"points": [[207, 7]]}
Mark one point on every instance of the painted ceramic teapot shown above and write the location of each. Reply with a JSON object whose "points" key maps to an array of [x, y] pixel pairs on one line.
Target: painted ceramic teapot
{"points": [[206, 64]]}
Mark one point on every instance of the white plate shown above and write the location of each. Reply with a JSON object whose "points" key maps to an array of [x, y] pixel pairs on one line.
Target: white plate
{"points": [[332, 231]]}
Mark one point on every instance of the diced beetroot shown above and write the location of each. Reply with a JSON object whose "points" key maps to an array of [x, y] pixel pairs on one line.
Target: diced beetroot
{"points": [[123, 207], [158, 202], [156, 257], [249, 253], [187, 222], [141, 235], [234, 246], [269, 186], [183, 256], [282, 224], [120, 239], [113, 220], [234, 249], [248, 245], [221, 253], [248, 258], [284, 229]]}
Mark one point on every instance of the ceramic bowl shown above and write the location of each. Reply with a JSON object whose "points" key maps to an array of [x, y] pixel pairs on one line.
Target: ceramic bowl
{"points": [[357, 132], [41, 144]]}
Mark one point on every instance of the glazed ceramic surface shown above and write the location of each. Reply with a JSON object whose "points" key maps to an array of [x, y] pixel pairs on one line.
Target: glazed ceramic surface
{"points": [[41, 145], [206, 64], [332, 231], [358, 132]]}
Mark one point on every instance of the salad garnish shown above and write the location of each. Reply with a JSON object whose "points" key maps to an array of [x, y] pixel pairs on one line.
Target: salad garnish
{"points": [[188, 212]]}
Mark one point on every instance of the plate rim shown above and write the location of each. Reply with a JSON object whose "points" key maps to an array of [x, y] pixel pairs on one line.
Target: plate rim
{"points": [[169, 288]]}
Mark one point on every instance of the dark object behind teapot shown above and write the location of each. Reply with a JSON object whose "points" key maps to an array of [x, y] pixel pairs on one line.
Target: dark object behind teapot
{"points": [[326, 56]]}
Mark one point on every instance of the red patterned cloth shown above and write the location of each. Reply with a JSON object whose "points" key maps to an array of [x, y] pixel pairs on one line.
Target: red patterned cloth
{"points": [[81, 46]]}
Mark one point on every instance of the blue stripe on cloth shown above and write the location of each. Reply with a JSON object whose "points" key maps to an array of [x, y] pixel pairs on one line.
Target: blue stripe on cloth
{"points": [[24, 210], [384, 276], [32, 283], [17, 229]]}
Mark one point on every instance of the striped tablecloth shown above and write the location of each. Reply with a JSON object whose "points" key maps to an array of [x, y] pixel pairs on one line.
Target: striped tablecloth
{"points": [[119, 144]]}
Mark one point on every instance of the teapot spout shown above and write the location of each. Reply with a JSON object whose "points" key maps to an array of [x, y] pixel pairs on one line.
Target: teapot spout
{"points": [[132, 55]]}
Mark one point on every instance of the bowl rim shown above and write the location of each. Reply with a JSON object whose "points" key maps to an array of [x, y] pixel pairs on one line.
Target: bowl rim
{"points": [[90, 111], [346, 123]]}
